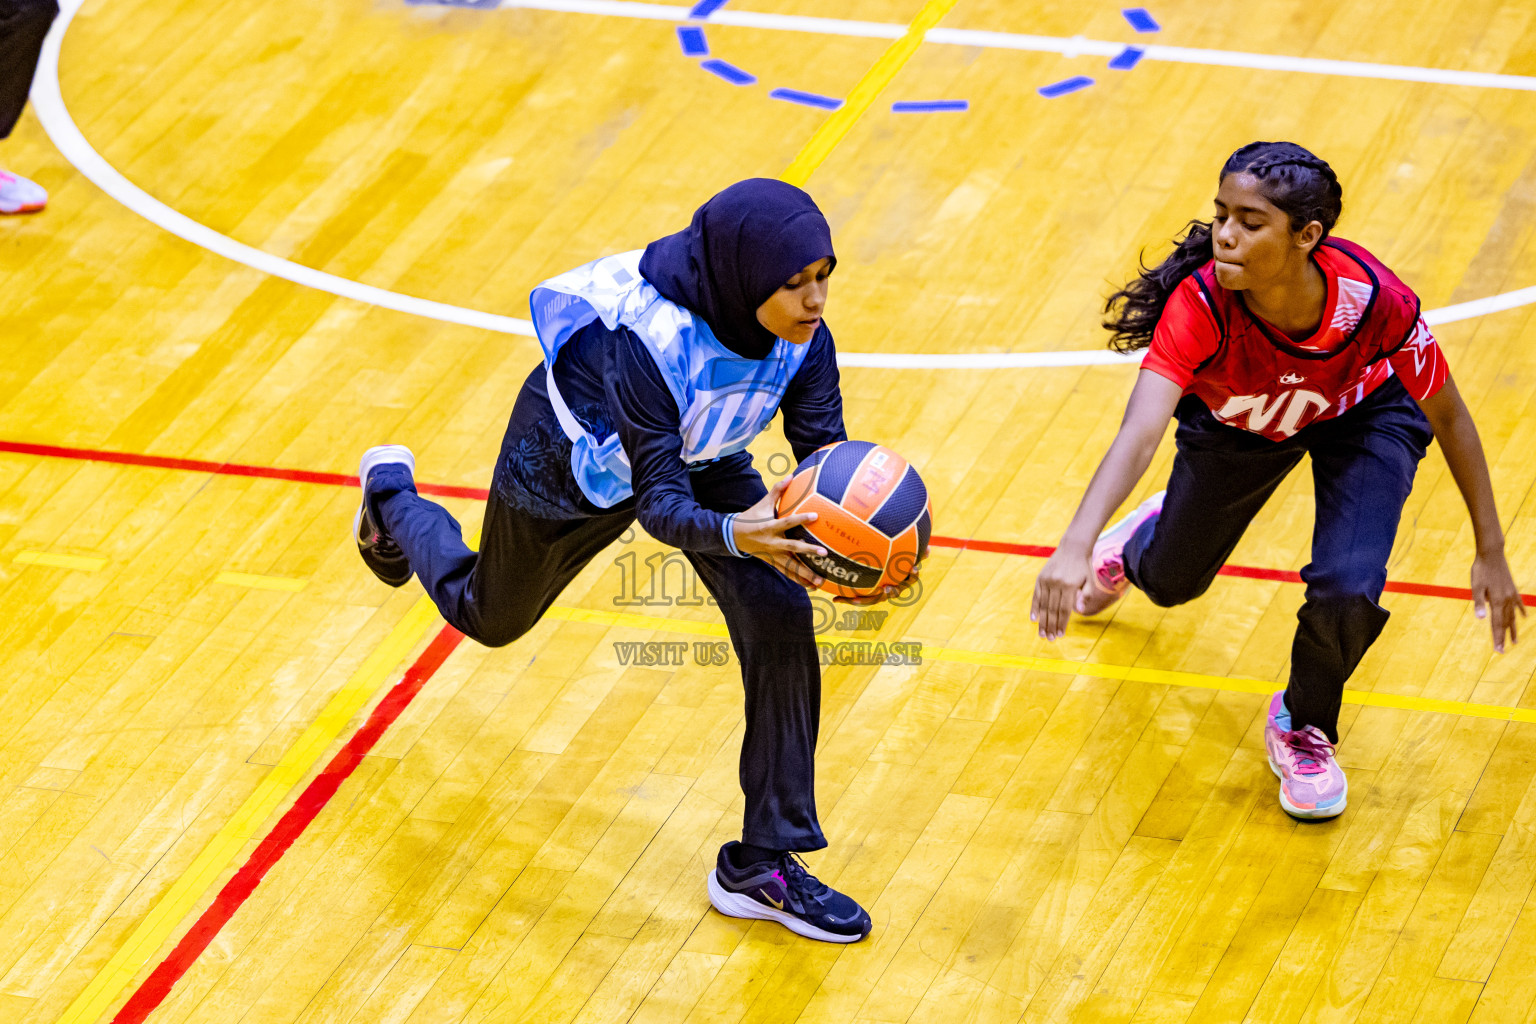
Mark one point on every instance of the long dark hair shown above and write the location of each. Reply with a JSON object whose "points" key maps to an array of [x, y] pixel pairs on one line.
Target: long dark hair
{"points": [[1298, 182]]}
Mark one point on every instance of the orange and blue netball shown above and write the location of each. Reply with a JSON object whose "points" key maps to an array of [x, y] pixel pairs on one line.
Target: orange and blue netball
{"points": [[872, 516]]}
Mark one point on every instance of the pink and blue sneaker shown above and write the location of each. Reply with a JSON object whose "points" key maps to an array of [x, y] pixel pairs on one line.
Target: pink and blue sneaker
{"points": [[1108, 584], [1312, 785]]}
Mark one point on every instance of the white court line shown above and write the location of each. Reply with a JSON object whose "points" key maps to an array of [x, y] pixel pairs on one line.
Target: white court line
{"points": [[48, 102], [1073, 46], [725, 16], [1078, 46], [1480, 307], [983, 360]]}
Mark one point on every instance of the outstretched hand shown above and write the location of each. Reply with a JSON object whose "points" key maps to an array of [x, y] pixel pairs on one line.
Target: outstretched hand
{"points": [[1064, 576], [760, 531], [1493, 589]]}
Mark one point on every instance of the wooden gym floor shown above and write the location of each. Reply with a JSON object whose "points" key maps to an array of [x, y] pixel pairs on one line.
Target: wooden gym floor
{"points": [[242, 781]]}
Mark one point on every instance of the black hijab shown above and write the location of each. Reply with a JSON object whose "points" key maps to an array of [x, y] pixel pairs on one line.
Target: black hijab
{"points": [[741, 247]]}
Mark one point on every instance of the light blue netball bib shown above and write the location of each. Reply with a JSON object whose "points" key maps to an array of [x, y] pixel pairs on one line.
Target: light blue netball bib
{"points": [[723, 400]]}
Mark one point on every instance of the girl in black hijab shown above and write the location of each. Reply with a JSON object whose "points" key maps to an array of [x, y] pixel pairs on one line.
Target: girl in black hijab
{"points": [[659, 369], [740, 249]]}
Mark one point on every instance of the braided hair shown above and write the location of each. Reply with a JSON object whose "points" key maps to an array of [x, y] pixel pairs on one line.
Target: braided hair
{"points": [[1297, 181]]}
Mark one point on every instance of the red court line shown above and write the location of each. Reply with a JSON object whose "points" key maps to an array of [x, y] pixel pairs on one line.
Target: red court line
{"points": [[152, 992], [1244, 571], [480, 494], [996, 546], [302, 476]]}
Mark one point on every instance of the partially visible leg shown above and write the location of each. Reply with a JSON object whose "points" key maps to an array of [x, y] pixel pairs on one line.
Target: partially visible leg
{"points": [[497, 594], [23, 26], [1363, 465], [1221, 478], [539, 531]]}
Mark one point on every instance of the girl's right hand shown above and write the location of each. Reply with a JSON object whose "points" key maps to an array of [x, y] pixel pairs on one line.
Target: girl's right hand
{"points": [[1067, 572], [760, 532], [1064, 575]]}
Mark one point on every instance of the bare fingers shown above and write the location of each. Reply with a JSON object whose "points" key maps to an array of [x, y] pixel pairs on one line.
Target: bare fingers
{"points": [[1061, 605], [795, 569], [1049, 608], [1505, 612]]}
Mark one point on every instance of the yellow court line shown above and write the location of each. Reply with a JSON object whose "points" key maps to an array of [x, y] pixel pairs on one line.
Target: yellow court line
{"points": [[633, 621], [865, 93], [257, 581], [1060, 666], [185, 892], [1234, 684], [85, 563], [274, 788]]}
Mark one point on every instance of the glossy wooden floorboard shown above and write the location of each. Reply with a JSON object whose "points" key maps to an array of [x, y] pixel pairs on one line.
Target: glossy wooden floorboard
{"points": [[528, 842]]}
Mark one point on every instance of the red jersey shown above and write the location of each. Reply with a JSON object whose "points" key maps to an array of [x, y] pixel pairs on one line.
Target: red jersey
{"points": [[1255, 377]]}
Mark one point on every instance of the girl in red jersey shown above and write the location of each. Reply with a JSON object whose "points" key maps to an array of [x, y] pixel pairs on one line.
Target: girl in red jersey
{"points": [[1267, 339]]}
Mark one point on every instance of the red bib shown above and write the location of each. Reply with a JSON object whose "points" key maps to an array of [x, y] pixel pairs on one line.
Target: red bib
{"points": [[1254, 377]]}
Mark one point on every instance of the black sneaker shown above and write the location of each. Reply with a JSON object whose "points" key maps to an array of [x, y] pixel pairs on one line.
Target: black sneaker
{"points": [[380, 553], [784, 891]]}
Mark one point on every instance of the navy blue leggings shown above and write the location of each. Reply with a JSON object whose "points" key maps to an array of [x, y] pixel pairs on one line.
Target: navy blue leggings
{"points": [[526, 560], [1363, 464]]}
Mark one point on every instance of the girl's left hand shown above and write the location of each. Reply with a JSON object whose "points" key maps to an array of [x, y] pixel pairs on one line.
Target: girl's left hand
{"points": [[1493, 587], [886, 593]]}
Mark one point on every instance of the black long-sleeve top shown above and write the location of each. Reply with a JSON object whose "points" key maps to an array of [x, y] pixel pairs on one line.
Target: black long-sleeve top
{"points": [[611, 383]]}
